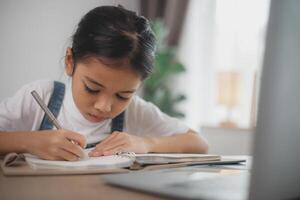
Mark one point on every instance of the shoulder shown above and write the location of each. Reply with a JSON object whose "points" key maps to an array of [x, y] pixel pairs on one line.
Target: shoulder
{"points": [[43, 87], [145, 118], [23, 96], [139, 103], [22, 109], [139, 107]]}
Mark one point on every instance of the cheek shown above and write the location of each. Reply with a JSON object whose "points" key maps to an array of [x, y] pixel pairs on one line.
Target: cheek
{"points": [[120, 106], [80, 96]]}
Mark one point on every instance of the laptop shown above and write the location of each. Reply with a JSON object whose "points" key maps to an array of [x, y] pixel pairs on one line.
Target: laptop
{"points": [[275, 172]]}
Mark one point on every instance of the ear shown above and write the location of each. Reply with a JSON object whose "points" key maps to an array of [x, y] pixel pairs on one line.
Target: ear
{"points": [[69, 64]]}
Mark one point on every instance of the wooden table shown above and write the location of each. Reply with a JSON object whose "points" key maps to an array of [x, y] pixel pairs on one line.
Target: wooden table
{"points": [[73, 187], [81, 187]]}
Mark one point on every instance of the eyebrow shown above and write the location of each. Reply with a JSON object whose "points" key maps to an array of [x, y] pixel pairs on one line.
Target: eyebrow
{"points": [[99, 84]]}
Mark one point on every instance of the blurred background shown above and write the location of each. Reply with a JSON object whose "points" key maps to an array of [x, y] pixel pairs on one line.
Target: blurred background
{"points": [[208, 58]]}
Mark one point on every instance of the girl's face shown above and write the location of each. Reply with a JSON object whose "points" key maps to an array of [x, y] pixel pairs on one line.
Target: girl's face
{"points": [[101, 89]]}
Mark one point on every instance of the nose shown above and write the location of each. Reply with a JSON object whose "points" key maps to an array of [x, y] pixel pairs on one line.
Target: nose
{"points": [[103, 104]]}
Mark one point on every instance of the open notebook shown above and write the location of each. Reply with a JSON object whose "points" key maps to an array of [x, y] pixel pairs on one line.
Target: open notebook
{"points": [[25, 164], [122, 160]]}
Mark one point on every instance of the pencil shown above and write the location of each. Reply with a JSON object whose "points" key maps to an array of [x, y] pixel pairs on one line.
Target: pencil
{"points": [[49, 114]]}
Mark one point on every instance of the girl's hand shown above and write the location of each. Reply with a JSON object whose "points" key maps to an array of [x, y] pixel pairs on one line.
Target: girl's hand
{"points": [[57, 145], [120, 141]]}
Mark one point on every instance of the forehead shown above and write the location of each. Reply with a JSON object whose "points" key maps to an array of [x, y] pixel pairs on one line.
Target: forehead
{"points": [[114, 73]]}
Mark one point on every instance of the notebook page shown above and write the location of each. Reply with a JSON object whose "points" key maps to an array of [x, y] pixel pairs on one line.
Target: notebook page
{"points": [[113, 161]]}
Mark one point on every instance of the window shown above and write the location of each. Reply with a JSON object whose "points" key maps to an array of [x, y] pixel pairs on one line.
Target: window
{"points": [[222, 37]]}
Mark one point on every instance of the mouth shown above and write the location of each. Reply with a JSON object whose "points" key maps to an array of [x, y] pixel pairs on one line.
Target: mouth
{"points": [[95, 118]]}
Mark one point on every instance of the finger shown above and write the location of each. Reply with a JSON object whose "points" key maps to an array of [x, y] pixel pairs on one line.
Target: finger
{"points": [[113, 151], [109, 138], [73, 148], [76, 137], [49, 157], [66, 155], [113, 148], [108, 148], [112, 142], [53, 154], [106, 140]]}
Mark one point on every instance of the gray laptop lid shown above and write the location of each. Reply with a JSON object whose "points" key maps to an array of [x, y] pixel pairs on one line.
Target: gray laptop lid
{"points": [[276, 168]]}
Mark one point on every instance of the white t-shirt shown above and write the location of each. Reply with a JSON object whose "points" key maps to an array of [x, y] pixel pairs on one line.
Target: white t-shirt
{"points": [[22, 113]]}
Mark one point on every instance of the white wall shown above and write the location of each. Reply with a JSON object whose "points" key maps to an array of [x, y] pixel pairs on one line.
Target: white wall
{"points": [[34, 35]]}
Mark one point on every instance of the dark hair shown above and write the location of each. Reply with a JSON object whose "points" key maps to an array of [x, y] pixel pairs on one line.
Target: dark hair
{"points": [[114, 33]]}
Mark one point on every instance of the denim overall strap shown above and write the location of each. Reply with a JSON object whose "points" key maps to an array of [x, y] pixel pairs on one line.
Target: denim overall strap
{"points": [[54, 104], [118, 122], [116, 125]]}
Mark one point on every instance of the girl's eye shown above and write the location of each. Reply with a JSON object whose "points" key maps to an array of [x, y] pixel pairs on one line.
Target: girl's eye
{"points": [[122, 98], [91, 91]]}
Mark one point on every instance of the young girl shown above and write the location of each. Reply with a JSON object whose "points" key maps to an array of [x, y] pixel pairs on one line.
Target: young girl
{"points": [[112, 53]]}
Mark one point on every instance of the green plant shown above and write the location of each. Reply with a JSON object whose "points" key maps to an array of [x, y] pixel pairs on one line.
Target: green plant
{"points": [[157, 87]]}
